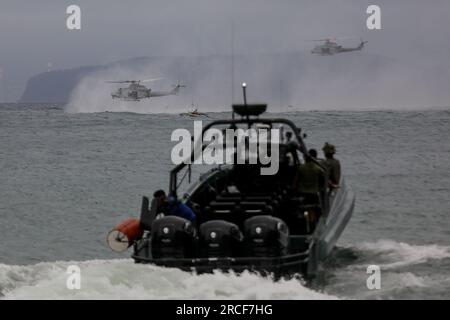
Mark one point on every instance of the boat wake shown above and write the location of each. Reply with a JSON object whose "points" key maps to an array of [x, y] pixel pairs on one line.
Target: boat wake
{"points": [[390, 254], [123, 279], [404, 271], [403, 275]]}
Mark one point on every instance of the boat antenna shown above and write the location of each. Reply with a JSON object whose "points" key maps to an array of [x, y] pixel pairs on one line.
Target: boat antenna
{"points": [[244, 87], [244, 91], [232, 61]]}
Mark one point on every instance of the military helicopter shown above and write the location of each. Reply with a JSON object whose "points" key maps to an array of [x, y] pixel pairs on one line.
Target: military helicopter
{"points": [[136, 91], [329, 47]]}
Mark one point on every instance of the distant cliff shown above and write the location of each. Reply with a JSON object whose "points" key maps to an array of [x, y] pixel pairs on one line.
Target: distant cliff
{"points": [[297, 78], [54, 86]]}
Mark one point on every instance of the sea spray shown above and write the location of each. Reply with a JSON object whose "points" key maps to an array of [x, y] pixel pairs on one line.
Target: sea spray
{"points": [[123, 279]]}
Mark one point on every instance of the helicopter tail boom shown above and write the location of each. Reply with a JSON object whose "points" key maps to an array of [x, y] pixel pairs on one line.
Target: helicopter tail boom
{"points": [[361, 45], [177, 88]]}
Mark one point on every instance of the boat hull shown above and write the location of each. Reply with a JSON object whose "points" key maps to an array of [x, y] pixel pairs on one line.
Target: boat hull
{"points": [[277, 266]]}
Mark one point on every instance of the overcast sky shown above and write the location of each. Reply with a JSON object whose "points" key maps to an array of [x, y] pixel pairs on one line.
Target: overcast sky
{"points": [[33, 33]]}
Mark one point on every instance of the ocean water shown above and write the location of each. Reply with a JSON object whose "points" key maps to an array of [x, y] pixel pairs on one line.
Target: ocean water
{"points": [[67, 179]]}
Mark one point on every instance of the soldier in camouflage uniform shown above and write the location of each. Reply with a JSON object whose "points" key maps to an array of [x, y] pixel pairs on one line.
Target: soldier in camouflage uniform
{"points": [[333, 165], [309, 179]]}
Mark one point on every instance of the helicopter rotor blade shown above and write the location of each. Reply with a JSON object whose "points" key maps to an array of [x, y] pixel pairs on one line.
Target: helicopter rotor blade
{"points": [[333, 39], [123, 81], [149, 80], [345, 38]]}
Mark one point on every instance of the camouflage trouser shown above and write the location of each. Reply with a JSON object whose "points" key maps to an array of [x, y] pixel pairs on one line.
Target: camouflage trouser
{"points": [[310, 198], [300, 204]]}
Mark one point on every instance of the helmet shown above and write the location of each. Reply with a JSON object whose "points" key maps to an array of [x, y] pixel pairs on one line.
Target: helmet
{"points": [[329, 148]]}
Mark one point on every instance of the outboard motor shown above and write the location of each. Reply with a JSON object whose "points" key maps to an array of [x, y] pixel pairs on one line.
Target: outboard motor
{"points": [[172, 237], [219, 238], [265, 236]]}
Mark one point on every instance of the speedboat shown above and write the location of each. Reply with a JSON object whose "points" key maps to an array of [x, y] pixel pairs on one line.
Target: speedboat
{"points": [[244, 220], [194, 113]]}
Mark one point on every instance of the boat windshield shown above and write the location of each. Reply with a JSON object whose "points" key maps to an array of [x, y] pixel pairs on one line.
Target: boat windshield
{"points": [[234, 142]]}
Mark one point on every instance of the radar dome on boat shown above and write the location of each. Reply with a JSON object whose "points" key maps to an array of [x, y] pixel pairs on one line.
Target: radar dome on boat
{"points": [[249, 109]]}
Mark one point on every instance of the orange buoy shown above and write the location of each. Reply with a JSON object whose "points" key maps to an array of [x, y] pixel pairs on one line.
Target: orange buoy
{"points": [[121, 237]]}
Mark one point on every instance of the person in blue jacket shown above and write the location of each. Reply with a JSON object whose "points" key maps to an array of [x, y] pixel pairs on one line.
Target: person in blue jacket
{"points": [[177, 208], [170, 206]]}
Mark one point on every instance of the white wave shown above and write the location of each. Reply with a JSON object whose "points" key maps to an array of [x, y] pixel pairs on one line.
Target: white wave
{"points": [[408, 280], [402, 270], [123, 279], [394, 285], [389, 254]]}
